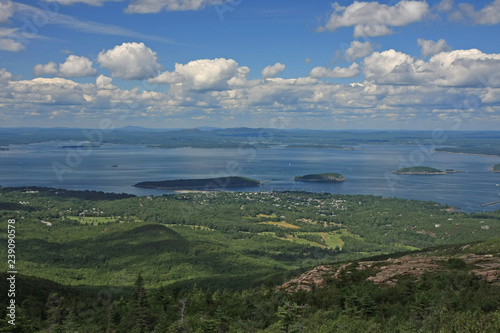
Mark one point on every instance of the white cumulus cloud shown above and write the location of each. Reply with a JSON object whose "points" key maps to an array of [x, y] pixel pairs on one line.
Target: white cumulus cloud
{"points": [[272, 71], [47, 69], [445, 6], [74, 66], [488, 15], [359, 50], [337, 72], [155, 6], [5, 76], [459, 68], [48, 91], [7, 44], [105, 83], [130, 61], [375, 19], [88, 2], [8, 41], [205, 74], [430, 48]]}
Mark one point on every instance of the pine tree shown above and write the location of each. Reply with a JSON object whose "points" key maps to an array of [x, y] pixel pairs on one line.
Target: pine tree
{"points": [[289, 314], [55, 312], [70, 324], [139, 307]]}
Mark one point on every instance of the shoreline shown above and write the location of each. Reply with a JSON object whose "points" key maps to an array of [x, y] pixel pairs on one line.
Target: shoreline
{"points": [[462, 153], [466, 210]]}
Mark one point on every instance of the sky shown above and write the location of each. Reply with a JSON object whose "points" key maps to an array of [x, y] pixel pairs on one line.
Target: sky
{"points": [[336, 65]]}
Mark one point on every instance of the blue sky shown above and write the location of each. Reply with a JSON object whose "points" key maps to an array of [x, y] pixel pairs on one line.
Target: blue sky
{"points": [[289, 64]]}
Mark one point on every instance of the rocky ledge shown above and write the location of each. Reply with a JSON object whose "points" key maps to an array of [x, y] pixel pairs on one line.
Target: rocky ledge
{"points": [[486, 267]]}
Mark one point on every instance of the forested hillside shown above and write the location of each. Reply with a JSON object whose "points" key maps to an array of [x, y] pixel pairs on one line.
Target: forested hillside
{"points": [[210, 262]]}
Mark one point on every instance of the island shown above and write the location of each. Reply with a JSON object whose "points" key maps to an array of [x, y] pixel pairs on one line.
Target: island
{"points": [[495, 168], [331, 177], [83, 145], [319, 146], [421, 170], [200, 184], [3, 149]]}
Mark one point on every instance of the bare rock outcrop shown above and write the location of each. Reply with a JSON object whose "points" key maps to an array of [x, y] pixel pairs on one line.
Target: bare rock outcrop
{"points": [[486, 267]]}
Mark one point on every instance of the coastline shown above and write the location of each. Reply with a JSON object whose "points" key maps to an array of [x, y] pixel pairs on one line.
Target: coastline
{"points": [[461, 153]]}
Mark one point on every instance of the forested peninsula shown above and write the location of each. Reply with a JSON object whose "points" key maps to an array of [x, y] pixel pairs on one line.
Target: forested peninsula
{"points": [[321, 177], [200, 184], [472, 150]]}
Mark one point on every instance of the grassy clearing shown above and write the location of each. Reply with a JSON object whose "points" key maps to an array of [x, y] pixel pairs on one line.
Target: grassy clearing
{"points": [[307, 221], [304, 241], [199, 227], [267, 216], [408, 247], [95, 220], [282, 224], [332, 240]]}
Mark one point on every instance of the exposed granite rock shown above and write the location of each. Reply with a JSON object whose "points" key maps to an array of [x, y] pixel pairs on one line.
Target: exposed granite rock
{"points": [[487, 267]]}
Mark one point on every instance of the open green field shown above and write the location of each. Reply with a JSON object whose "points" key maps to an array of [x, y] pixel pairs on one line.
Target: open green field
{"points": [[96, 220], [282, 224], [333, 240]]}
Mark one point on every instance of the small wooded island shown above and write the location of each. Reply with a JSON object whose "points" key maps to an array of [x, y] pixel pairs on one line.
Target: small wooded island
{"points": [[495, 168], [421, 170], [200, 184], [319, 146], [321, 177]]}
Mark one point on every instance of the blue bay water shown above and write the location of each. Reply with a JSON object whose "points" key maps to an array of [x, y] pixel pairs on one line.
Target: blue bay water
{"points": [[115, 168]]}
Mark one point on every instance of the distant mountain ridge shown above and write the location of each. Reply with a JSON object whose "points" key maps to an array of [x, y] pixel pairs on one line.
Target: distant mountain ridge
{"points": [[247, 137]]}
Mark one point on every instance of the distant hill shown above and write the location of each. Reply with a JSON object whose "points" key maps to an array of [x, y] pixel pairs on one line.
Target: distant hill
{"points": [[477, 142], [145, 129]]}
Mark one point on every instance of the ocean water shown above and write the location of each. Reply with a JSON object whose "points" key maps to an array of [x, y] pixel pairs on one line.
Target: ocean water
{"points": [[115, 168]]}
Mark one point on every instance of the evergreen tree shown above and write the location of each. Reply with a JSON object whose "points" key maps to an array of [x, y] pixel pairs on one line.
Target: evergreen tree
{"points": [[139, 307], [54, 312], [70, 324], [289, 314]]}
